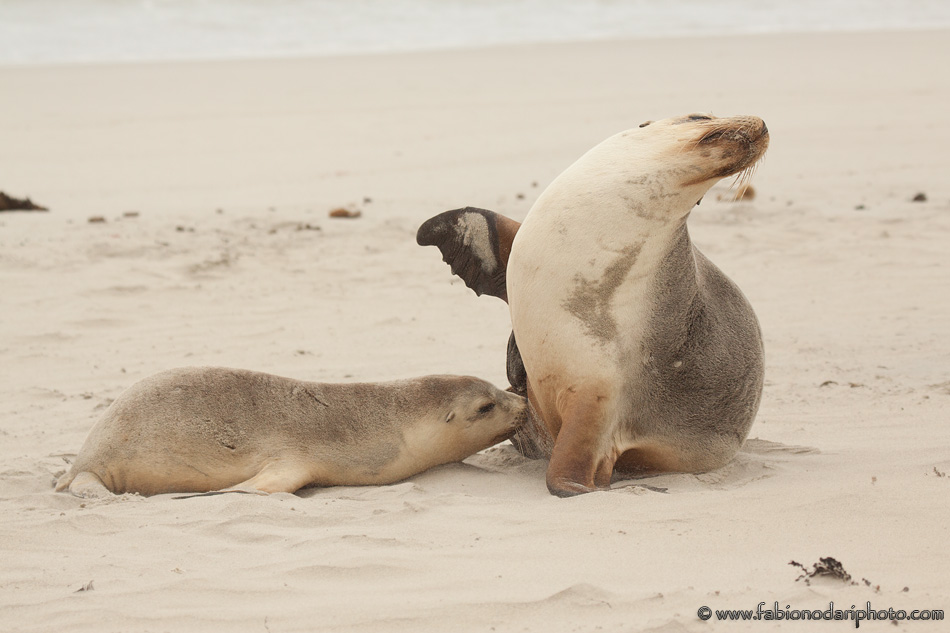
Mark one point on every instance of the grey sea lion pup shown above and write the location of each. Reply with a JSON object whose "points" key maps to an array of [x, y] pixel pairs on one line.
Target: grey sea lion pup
{"points": [[635, 351], [209, 428]]}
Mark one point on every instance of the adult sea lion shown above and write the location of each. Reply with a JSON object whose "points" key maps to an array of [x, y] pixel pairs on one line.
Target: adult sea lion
{"points": [[635, 351], [200, 429]]}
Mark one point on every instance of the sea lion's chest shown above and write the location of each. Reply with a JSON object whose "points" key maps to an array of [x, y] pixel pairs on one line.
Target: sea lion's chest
{"points": [[583, 290]]}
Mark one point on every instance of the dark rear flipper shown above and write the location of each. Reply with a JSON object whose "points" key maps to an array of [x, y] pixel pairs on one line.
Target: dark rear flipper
{"points": [[475, 243]]}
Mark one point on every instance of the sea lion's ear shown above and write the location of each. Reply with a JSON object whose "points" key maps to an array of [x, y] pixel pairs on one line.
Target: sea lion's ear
{"points": [[475, 243], [450, 417]]}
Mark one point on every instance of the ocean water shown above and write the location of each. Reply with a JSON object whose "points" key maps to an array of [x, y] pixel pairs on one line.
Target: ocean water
{"points": [[84, 31]]}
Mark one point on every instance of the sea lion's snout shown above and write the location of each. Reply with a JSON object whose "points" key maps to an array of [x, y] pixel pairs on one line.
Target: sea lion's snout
{"points": [[507, 414], [756, 130], [518, 407], [757, 133], [745, 129], [730, 145]]}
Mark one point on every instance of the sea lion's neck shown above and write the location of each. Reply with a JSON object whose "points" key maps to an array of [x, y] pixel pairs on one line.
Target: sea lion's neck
{"points": [[676, 273]]}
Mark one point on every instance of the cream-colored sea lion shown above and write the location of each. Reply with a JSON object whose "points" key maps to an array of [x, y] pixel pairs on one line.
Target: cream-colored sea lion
{"points": [[635, 351], [209, 428]]}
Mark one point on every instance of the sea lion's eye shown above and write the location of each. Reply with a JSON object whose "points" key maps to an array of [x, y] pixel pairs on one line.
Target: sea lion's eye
{"points": [[485, 408], [699, 117], [645, 123]]}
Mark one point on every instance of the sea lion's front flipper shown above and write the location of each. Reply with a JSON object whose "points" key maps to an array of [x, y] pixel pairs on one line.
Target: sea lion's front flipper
{"points": [[289, 475], [86, 485], [476, 244]]}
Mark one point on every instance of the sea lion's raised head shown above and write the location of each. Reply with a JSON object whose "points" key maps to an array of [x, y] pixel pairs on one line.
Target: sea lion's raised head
{"points": [[706, 148], [660, 169]]}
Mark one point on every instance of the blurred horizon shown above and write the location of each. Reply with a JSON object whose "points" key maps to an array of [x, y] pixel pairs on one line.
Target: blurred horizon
{"points": [[107, 31]]}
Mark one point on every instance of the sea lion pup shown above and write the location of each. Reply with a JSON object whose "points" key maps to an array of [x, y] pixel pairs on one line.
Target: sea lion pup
{"points": [[634, 350], [200, 429]]}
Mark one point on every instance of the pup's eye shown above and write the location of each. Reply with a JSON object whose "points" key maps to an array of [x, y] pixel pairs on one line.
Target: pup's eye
{"points": [[700, 117], [485, 408]]}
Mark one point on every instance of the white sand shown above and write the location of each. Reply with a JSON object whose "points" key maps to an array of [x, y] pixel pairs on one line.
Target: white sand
{"points": [[853, 428]]}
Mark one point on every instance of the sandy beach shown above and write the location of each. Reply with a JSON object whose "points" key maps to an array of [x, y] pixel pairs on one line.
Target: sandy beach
{"points": [[214, 181]]}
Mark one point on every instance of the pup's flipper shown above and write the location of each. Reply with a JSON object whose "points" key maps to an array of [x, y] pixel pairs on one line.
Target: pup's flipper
{"points": [[282, 476]]}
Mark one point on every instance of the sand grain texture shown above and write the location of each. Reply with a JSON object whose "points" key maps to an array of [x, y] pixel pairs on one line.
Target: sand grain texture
{"points": [[845, 458]]}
